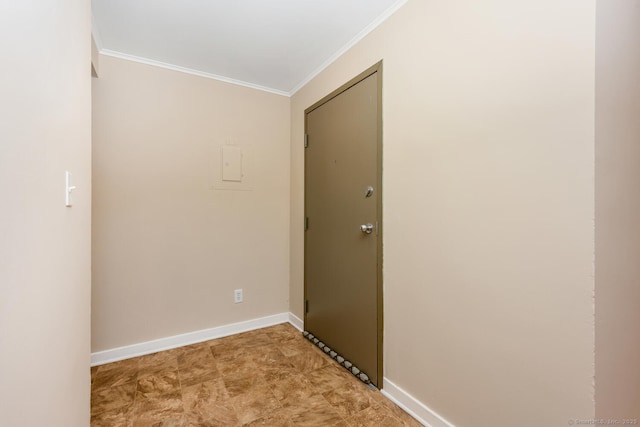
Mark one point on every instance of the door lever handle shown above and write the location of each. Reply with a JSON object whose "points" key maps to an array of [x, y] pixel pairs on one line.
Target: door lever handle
{"points": [[366, 228]]}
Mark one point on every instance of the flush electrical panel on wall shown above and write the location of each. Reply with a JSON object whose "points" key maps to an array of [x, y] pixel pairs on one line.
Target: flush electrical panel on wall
{"points": [[231, 163]]}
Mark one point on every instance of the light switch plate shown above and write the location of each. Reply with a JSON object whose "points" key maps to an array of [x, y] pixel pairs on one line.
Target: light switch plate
{"points": [[68, 189]]}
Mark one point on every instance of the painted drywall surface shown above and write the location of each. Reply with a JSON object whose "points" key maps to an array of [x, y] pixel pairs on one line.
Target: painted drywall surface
{"points": [[171, 240], [45, 248], [488, 205], [617, 206], [95, 58]]}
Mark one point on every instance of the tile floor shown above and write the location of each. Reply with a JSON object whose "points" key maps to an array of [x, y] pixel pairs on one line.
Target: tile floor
{"points": [[268, 377]]}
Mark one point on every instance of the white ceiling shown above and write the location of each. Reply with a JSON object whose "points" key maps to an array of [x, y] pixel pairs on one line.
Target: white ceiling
{"points": [[277, 45]]}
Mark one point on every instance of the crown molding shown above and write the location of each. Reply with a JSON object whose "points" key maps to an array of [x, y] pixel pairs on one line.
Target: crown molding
{"points": [[191, 71], [362, 34]]}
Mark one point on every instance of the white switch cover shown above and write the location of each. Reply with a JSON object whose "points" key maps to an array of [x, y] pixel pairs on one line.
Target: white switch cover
{"points": [[231, 163]]}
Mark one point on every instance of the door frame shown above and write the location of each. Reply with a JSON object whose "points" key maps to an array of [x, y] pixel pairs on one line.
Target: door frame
{"points": [[377, 68]]}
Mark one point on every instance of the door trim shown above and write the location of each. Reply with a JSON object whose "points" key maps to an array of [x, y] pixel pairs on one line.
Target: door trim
{"points": [[377, 68]]}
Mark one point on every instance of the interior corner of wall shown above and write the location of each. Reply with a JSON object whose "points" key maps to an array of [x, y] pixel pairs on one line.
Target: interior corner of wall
{"points": [[95, 57]]}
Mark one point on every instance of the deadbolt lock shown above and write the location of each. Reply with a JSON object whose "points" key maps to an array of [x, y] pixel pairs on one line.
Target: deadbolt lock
{"points": [[366, 228]]}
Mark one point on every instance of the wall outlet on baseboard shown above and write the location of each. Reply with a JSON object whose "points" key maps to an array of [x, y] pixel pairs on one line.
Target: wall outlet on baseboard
{"points": [[237, 296]]}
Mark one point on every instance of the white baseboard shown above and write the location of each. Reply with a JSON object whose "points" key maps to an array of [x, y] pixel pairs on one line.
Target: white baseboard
{"points": [[149, 347], [296, 321], [413, 406]]}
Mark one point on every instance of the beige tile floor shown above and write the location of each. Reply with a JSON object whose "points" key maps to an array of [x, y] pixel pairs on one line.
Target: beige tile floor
{"points": [[268, 377]]}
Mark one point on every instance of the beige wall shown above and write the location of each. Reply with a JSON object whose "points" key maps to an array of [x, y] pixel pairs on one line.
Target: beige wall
{"points": [[171, 240], [488, 203], [45, 249], [95, 58], [617, 206]]}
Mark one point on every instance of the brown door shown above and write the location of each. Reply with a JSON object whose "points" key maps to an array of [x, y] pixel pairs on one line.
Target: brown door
{"points": [[343, 289]]}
